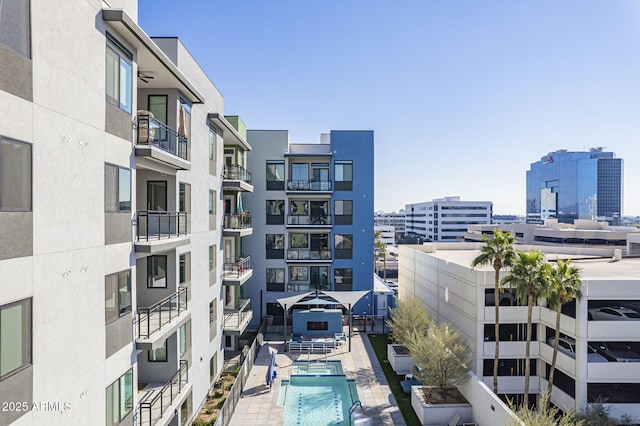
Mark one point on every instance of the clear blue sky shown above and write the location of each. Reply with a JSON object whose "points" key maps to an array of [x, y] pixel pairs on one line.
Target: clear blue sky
{"points": [[462, 95]]}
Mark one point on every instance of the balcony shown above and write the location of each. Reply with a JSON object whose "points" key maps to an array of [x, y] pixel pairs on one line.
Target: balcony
{"points": [[309, 186], [237, 178], [237, 225], [160, 231], [158, 321], [305, 288], [157, 143], [237, 320], [307, 255], [309, 221], [160, 402], [237, 273]]}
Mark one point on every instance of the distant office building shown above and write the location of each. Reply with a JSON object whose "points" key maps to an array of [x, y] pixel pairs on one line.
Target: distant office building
{"points": [[397, 220], [575, 185], [387, 233], [446, 219], [311, 213]]}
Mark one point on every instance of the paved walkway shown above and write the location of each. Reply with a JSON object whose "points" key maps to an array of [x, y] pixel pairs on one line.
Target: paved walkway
{"points": [[258, 405]]}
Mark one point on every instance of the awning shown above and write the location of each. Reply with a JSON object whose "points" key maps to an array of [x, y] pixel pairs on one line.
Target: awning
{"points": [[338, 297], [292, 300]]}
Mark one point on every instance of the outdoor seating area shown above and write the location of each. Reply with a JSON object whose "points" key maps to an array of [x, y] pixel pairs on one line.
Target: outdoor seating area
{"points": [[408, 382], [301, 343]]}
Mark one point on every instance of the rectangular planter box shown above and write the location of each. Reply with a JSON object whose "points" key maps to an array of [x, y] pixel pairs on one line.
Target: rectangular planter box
{"points": [[401, 363], [438, 414]]}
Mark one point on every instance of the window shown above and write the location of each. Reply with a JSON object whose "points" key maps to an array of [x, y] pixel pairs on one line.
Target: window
{"points": [[213, 367], [343, 246], [185, 268], [275, 212], [117, 295], [343, 212], [344, 175], [185, 338], [184, 197], [119, 75], [159, 354], [157, 271], [212, 257], [343, 279], [299, 207], [299, 240], [275, 279], [213, 316], [158, 107], [117, 189], [15, 337], [298, 273], [120, 398], [212, 202], [319, 278], [299, 175], [275, 246], [275, 175], [213, 135], [15, 173], [15, 25]]}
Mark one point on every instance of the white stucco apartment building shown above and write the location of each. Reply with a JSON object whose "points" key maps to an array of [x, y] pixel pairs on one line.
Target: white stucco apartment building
{"points": [[114, 282]]}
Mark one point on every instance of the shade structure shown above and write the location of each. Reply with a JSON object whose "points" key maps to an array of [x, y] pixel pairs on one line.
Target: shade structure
{"points": [[345, 298]]}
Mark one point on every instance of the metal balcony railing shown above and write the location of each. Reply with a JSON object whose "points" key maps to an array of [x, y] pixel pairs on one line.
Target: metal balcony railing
{"points": [[308, 220], [152, 407], [306, 254], [236, 269], [154, 133], [156, 316], [293, 287], [309, 185], [237, 221], [156, 225], [234, 318], [236, 172]]}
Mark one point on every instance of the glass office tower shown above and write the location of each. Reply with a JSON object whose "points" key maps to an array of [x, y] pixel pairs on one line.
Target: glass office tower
{"points": [[575, 185]]}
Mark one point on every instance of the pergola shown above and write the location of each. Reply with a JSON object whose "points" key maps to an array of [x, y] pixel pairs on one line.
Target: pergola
{"points": [[322, 298]]}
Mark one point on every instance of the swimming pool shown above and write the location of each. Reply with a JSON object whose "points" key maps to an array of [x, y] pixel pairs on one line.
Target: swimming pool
{"points": [[317, 399]]}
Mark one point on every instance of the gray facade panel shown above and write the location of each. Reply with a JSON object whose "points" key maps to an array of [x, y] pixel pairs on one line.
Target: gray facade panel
{"points": [[16, 234], [16, 74], [119, 334], [19, 389], [118, 123], [117, 228]]}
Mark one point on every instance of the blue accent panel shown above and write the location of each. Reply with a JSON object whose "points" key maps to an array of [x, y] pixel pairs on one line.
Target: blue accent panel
{"points": [[357, 146]]}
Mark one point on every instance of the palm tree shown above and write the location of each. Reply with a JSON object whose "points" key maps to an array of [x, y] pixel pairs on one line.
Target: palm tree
{"points": [[529, 277], [499, 252], [564, 287]]}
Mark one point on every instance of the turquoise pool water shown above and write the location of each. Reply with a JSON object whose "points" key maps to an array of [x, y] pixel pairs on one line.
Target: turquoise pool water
{"points": [[317, 394], [317, 368]]}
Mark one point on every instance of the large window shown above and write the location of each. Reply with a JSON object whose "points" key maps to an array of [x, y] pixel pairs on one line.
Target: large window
{"points": [[212, 144], [343, 246], [213, 367], [157, 271], [119, 75], [299, 240], [343, 279], [117, 295], [212, 202], [120, 398], [343, 212], [275, 175], [15, 25], [159, 354], [344, 175], [275, 212], [117, 189], [184, 197], [213, 316], [15, 337], [185, 338], [15, 174], [275, 279], [319, 278], [298, 273], [275, 246], [184, 275]]}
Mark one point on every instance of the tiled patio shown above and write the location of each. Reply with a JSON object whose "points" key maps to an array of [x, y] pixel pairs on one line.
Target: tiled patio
{"points": [[258, 405]]}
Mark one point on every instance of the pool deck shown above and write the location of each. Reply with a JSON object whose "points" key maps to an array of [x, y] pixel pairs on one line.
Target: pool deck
{"points": [[258, 405]]}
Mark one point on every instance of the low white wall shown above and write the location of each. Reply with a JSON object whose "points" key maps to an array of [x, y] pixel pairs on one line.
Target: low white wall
{"points": [[488, 409], [438, 414], [401, 364]]}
